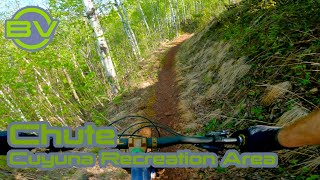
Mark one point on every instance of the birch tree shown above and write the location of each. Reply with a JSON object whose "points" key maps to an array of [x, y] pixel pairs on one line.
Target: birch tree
{"points": [[127, 28], [144, 17], [12, 107], [104, 51], [65, 84], [173, 16], [184, 12]]}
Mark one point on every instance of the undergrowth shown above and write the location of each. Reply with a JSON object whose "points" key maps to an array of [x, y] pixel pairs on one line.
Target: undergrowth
{"points": [[257, 63]]}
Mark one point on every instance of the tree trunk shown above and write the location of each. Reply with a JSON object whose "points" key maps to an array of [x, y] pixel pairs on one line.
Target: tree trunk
{"points": [[12, 107], [74, 92], [44, 80], [127, 28], [33, 106], [144, 17], [184, 12], [177, 15], [102, 45], [173, 17]]}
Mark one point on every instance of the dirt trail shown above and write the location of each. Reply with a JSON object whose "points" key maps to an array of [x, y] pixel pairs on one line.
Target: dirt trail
{"points": [[167, 100], [167, 92]]}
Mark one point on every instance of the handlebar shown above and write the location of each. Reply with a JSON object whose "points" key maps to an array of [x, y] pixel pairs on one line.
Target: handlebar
{"points": [[214, 141], [125, 143]]}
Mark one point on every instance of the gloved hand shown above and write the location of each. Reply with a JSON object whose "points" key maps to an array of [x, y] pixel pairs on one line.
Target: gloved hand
{"points": [[5, 147], [259, 139]]}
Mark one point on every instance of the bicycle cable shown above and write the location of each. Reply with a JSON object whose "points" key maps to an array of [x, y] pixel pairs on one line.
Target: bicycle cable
{"points": [[157, 124], [141, 117]]}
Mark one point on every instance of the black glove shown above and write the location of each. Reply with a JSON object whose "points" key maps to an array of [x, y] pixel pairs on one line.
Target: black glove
{"points": [[259, 139], [5, 147]]}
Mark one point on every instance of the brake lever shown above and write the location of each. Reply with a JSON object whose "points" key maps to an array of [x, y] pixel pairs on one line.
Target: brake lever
{"points": [[218, 135], [218, 145]]}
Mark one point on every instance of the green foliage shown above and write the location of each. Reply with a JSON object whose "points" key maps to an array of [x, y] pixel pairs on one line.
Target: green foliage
{"points": [[65, 82], [280, 40], [187, 130], [294, 161], [281, 169], [117, 100], [207, 79], [274, 30], [307, 174], [221, 170], [211, 125], [257, 112], [306, 80], [313, 177]]}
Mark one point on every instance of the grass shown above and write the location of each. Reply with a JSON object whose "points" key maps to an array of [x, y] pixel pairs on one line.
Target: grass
{"points": [[257, 112], [257, 63], [210, 125]]}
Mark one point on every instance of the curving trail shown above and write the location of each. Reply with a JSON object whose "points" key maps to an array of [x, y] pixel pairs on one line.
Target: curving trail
{"points": [[165, 105]]}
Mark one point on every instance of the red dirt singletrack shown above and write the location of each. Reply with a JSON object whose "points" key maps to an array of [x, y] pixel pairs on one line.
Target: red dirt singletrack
{"points": [[167, 98]]}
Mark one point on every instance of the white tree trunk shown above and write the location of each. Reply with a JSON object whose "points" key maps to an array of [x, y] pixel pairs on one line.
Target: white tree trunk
{"points": [[173, 17], [184, 12], [102, 45], [12, 107], [144, 18], [74, 92], [51, 106], [128, 32], [127, 28], [177, 15], [33, 106], [44, 80]]}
